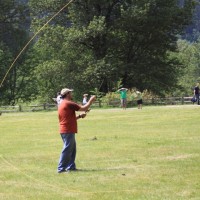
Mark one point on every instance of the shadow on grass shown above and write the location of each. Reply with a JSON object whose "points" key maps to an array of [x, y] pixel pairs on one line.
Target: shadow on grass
{"points": [[102, 170]]}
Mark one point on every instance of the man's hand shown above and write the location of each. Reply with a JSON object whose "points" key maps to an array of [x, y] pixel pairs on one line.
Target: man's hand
{"points": [[87, 111], [83, 115], [92, 98]]}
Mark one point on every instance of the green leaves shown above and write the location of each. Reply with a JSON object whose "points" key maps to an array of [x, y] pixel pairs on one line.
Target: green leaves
{"points": [[13, 22], [94, 44], [190, 58], [114, 40], [50, 78]]}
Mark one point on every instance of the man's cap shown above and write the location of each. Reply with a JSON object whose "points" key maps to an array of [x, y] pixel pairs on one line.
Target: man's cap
{"points": [[85, 95], [65, 91]]}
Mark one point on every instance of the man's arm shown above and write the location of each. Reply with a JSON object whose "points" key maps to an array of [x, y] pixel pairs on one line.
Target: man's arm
{"points": [[88, 104]]}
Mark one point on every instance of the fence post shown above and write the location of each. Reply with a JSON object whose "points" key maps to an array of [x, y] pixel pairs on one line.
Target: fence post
{"points": [[182, 100], [99, 103], [44, 105], [20, 108]]}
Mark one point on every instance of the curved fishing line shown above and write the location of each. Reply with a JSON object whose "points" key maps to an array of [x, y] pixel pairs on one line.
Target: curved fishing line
{"points": [[58, 188], [32, 178], [31, 40]]}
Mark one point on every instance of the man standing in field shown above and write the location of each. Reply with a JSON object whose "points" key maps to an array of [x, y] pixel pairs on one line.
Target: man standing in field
{"points": [[68, 128], [139, 99], [196, 92], [123, 97], [58, 99], [84, 99]]}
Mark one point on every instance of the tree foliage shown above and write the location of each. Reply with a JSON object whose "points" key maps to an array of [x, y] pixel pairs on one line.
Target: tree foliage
{"points": [[92, 45], [112, 40], [13, 35], [190, 57]]}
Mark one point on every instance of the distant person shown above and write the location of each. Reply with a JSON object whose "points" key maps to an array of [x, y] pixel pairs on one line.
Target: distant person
{"points": [[196, 92], [123, 97], [68, 128], [58, 98], [139, 99], [85, 96]]}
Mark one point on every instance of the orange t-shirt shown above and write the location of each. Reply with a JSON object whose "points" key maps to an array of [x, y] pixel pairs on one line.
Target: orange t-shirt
{"points": [[67, 116]]}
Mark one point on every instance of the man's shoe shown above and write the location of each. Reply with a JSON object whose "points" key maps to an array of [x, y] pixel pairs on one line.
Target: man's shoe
{"points": [[69, 170], [62, 171]]}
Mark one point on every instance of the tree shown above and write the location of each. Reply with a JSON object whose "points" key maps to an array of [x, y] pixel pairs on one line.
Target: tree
{"points": [[192, 32], [137, 39], [109, 40], [13, 18], [189, 54]]}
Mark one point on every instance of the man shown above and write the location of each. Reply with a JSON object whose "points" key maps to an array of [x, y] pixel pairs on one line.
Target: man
{"points": [[139, 99], [123, 97], [84, 99], [58, 99], [68, 128], [196, 92]]}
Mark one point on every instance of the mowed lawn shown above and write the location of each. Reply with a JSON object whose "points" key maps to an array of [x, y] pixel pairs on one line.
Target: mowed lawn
{"points": [[150, 154]]}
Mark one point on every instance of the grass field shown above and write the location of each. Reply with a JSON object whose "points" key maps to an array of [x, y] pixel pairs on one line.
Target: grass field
{"points": [[150, 154]]}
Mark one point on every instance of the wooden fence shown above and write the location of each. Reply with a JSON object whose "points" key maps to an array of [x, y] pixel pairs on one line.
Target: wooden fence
{"points": [[156, 101], [99, 104], [29, 108]]}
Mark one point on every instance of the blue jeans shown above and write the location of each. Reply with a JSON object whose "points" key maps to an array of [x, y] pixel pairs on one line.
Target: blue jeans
{"points": [[197, 97], [68, 154]]}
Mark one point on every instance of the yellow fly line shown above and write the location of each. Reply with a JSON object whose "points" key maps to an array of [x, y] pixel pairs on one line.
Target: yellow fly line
{"points": [[60, 189], [31, 40]]}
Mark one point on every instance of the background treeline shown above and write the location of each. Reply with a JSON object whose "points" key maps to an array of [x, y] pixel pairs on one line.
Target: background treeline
{"points": [[98, 45]]}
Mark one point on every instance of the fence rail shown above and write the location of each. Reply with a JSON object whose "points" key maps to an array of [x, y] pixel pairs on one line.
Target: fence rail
{"points": [[30, 108], [99, 104]]}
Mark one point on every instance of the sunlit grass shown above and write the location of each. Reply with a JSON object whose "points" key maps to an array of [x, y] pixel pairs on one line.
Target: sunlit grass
{"points": [[133, 154]]}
